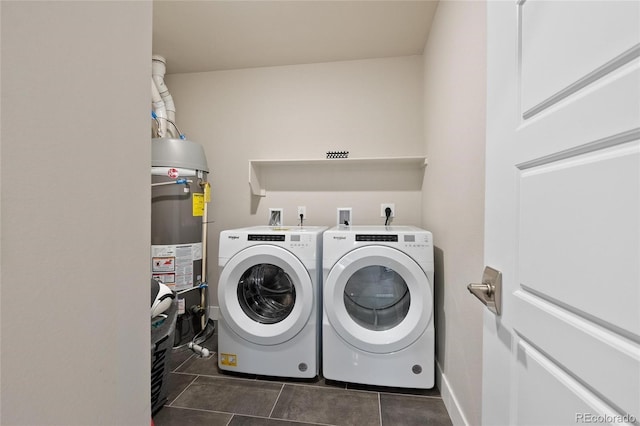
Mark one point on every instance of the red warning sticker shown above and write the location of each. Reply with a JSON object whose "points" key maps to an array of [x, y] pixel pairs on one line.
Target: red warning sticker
{"points": [[164, 264], [173, 173]]}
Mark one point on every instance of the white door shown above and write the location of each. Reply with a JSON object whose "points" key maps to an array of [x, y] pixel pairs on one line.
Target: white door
{"points": [[563, 213]]}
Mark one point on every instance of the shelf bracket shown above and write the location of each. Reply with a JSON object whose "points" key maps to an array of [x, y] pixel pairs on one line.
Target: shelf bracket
{"points": [[254, 182]]}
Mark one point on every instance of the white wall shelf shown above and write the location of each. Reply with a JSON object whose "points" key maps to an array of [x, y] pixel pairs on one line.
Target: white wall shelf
{"points": [[357, 174]]}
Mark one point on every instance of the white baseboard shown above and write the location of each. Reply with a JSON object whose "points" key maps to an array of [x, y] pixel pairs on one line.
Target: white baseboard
{"points": [[449, 398]]}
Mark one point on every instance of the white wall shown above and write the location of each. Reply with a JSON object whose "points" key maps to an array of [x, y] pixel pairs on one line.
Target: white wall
{"points": [[75, 213], [369, 107], [453, 195]]}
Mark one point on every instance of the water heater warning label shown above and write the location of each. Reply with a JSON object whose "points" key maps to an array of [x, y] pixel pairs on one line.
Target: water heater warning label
{"points": [[164, 264], [198, 204], [168, 279], [175, 264]]}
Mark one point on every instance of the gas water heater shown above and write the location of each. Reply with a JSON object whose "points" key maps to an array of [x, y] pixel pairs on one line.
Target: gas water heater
{"points": [[179, 197]]}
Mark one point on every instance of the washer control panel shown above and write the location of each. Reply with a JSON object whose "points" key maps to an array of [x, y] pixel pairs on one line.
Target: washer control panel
{"points": [[289, 239], [265, 237]]}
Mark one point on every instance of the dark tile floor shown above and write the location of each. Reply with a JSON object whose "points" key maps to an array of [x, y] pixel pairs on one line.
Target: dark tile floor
{"points": [[200, 394]]}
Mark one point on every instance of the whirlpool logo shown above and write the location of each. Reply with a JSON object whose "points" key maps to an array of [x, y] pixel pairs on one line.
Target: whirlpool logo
{"points": [[339, 237], [233, 237]]}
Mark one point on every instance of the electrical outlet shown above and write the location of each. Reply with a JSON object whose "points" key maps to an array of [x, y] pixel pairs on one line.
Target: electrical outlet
{"points": [[383, 207], [275, 217], [344, 216], [302, 210]]}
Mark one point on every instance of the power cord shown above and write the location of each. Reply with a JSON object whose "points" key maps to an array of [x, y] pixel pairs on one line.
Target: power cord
{"points": [[387, 213], [301, 219]]}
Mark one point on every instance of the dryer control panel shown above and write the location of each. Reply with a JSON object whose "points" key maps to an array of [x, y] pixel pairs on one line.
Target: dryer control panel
{"points": [[377, 237], [415, 242], [262, 237], [418, 241], [406, 240]]}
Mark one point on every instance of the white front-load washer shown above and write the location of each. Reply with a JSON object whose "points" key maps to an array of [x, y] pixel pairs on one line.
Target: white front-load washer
{"points": [[269, 297], [377, 324]]}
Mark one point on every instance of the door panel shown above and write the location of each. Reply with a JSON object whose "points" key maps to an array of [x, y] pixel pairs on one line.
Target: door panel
{"points": [[563, 211], [605, 363], [546, 391], [575, 43], [588, 206]]}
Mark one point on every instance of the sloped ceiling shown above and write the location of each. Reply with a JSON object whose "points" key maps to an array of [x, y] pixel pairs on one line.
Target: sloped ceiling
{"points": [[198, 36]]}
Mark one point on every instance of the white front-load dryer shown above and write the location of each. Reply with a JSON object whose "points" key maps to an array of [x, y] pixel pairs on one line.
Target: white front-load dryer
{"points": [[269, 297], [377, 324]]}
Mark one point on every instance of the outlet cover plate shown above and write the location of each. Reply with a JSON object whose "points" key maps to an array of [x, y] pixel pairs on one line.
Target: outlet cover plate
{"points": [[275, 217], [383, 206], [344, 214]]}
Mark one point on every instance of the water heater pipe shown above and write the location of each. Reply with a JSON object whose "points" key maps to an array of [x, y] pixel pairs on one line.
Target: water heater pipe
{"points": [[158, 70], [159, 109], [173, 182], [203, 300]]}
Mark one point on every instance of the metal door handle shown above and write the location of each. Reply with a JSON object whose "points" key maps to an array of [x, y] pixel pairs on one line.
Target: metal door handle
{"points": [[490, 291]]}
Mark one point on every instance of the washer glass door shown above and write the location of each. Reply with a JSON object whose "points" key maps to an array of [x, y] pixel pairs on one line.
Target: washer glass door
{"points": [[378, 299], [265, 294]]}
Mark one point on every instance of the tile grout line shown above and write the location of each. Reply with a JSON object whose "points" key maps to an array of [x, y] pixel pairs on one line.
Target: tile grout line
{"points": [[223, 377], [253, 416], [379, 408], [183, 391], [230, 419], [175, 370], [412, 395], [313, 385], [276, 401], [204, 410]]}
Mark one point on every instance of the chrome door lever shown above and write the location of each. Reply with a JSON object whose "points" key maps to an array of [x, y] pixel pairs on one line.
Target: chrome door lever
{"points": [[490, 291]]}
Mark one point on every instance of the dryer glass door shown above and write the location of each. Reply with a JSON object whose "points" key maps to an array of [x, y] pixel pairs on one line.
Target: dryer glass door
{"points": [[377, 297], [266, 293]]}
